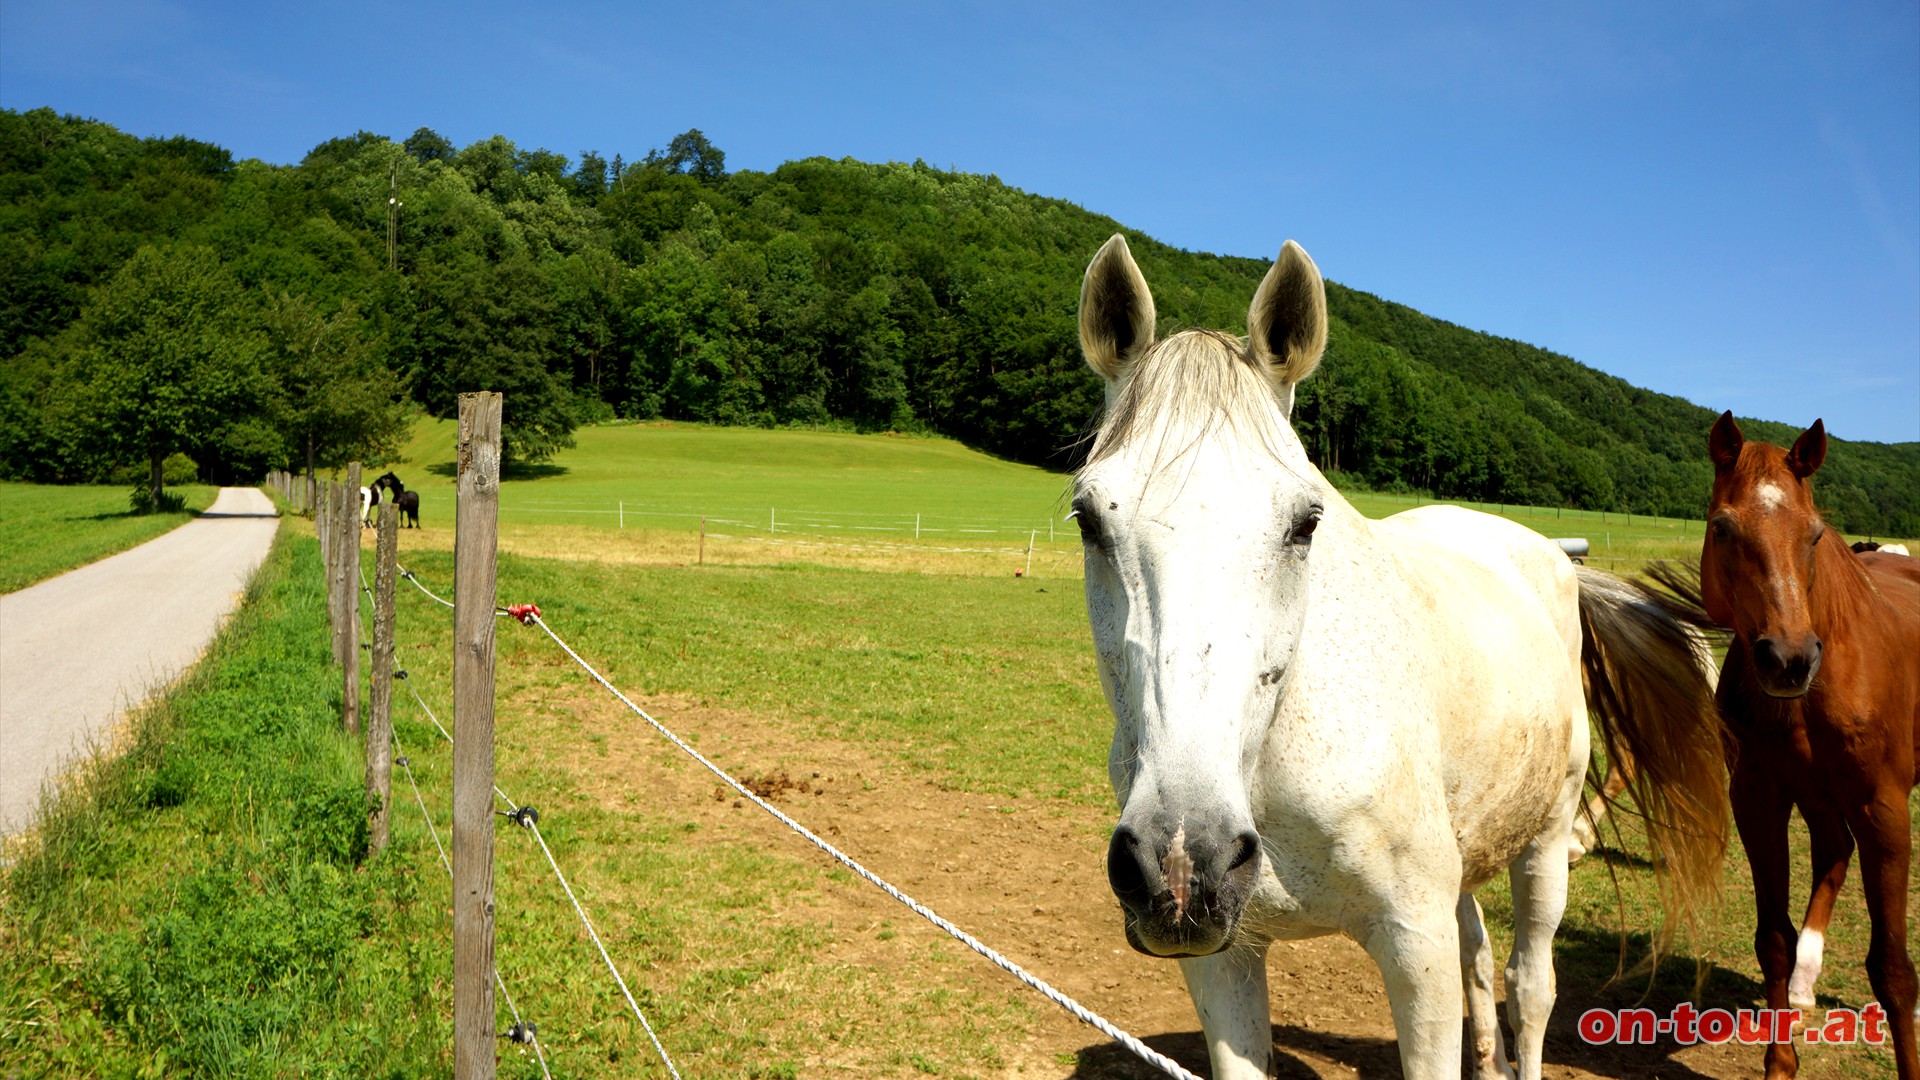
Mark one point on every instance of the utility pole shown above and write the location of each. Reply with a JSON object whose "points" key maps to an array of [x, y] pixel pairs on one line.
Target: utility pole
{"points": [[393, 216]]}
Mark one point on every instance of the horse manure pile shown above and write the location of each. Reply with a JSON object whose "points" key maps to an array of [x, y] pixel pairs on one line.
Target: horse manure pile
{"points": [[772, 786]]}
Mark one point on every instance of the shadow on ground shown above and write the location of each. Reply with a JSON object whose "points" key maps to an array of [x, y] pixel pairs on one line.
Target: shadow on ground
{"points": [[510, 471], [1586, 961]]}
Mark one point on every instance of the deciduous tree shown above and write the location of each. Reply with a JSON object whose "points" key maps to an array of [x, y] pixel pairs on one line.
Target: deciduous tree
{"points": [[169, 353]]}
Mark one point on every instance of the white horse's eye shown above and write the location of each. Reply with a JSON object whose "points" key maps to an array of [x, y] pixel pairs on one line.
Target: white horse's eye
{"points": [[1303, 532], [1089, 522]]}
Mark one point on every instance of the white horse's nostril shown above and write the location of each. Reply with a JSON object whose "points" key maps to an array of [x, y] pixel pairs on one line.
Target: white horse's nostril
{"points": [[1177, 867]]}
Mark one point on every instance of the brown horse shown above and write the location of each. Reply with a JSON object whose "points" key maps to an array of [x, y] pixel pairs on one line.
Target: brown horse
{"points": [[1821, 689]]}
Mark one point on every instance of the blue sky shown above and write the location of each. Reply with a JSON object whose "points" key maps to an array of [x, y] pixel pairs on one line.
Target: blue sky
{"points": [[1712, 199]]}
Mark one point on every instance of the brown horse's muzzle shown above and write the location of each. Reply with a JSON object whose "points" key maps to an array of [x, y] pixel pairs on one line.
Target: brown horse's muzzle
{"points": [[1785, 669]]}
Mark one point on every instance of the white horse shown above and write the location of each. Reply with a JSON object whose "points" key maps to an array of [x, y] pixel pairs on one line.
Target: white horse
{"points": [[1325, 724]]}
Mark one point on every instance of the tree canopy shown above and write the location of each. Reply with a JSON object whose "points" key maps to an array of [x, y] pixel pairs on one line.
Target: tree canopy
{"points": [[868, 296]]}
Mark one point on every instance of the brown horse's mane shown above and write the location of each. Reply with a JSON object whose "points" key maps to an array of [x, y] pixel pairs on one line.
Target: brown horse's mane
{"points": [[1842, 593]]}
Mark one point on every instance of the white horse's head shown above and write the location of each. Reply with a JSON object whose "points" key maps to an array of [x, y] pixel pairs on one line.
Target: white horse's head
{"points": [[1198, 511]]}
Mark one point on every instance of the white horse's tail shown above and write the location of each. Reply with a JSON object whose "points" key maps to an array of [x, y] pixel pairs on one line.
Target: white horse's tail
{"points": [[1654, 700]]}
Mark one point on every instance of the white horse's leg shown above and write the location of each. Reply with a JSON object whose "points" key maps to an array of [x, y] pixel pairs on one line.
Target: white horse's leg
{"points": [[1488, 1058], [1539, 878], [1229, 992], [1417, 953]]}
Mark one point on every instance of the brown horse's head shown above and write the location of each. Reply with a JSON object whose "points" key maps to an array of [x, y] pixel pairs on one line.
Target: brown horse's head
{"points": [[1757, 564]]}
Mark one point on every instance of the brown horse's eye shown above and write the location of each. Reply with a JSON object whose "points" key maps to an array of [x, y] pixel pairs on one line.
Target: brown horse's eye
{"points": [[1720, 529]]}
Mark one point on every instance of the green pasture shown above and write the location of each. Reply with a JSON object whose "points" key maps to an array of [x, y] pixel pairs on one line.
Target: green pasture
{"points": [[195, 910], [48, 529], [203, 904], [670, 475], [838, 487]]}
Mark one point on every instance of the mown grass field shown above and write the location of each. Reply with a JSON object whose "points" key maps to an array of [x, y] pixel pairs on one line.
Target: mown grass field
{"points": [[201, 897], [643, 493], [48, 529]]}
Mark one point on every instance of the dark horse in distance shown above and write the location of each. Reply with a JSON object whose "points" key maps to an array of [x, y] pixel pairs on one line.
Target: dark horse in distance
{"points": [[1821, 689], [407, 501]]}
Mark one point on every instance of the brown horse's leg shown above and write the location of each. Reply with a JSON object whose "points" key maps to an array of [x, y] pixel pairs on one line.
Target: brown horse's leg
{"points": [[1885, 835], [1832, 849], [1760, 809]]}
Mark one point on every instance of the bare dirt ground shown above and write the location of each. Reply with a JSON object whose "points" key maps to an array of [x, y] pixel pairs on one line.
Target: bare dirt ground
{"points": [[1029, 879]]}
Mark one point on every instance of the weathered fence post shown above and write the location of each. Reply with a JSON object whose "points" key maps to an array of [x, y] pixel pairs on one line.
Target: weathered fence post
{"points": [[476, 532], [323, 528], [380, 705], [347, 543], [703, 540]]}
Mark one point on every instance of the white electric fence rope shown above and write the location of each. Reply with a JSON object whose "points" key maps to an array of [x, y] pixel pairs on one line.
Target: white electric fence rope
{"points": [[1079, 1012], [532, 824]]}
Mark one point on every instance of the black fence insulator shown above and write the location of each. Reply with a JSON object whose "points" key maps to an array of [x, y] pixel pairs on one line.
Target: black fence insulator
{"points": [[402, 761], [399, 673], [523, 817], [522, 1032]]}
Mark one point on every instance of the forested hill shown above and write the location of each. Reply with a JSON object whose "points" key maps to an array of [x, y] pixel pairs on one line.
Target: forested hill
{"points": [[292, 324]]}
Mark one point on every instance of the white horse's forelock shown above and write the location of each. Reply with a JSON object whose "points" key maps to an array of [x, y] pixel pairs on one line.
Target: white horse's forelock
{"points": [[1188, 387]]}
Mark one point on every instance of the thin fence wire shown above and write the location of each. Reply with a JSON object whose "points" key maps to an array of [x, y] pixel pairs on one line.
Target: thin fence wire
{"points": [[588, 923], [408, 574], [776, 518], [532, 824], [1074, 1008], [532, 1037], [1078, 1011]]}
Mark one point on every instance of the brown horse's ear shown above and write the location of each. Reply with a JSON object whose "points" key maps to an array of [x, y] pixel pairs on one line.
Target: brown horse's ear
{"points": [[1287, 324], [1724, 444], [1809, 450], [1116, 310]]}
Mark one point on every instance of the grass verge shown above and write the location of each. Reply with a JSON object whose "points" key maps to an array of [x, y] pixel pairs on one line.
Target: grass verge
{"points": [[202, 904], [48, 529]]}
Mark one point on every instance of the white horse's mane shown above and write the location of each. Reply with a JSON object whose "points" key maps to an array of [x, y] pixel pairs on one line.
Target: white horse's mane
{"points": [[1190, 386]]}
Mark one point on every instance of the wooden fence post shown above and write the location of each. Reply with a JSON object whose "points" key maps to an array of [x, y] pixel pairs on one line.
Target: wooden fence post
{"points": [[380, 705], [476, 533], [348, 543], [323, 527], [334, 545]]}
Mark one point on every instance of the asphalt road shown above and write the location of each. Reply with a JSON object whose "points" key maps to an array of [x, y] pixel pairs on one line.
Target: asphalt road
{"points": [[78, 650]]}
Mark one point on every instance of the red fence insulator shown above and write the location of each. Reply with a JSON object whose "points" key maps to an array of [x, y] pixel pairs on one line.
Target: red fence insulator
{"points": [[526, 613]]}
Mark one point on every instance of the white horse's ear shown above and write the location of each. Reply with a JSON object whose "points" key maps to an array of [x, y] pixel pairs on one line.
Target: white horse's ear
{"points": [[1116, 310], [1287, 324]]}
